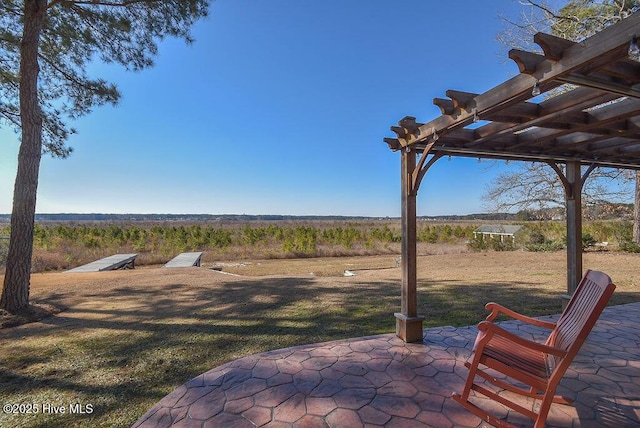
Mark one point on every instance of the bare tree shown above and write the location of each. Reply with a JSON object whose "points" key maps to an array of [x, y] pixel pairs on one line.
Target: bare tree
{"points": [[537, 186]]}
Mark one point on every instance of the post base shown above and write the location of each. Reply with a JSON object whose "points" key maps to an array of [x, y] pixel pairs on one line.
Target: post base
{"points": [[409, 329]]}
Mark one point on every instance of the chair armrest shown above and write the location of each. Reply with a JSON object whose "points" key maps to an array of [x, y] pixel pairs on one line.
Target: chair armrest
{"points": [[496, 309], [490, 329]]}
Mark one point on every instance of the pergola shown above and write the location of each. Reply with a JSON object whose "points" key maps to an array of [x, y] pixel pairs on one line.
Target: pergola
{"points": [[594, 123]]}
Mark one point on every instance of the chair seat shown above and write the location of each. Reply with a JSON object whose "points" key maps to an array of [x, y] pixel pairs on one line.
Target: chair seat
{"points": [[516, 357]]}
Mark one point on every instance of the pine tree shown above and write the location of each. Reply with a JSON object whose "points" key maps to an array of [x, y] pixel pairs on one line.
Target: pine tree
{"points": [[45, 47]]}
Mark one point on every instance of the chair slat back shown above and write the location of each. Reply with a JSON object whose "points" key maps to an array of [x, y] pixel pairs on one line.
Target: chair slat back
{"points": [[580, 315]]}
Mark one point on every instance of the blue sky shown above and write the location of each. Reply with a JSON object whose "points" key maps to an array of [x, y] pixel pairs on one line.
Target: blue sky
{"points": [[280, 107]]}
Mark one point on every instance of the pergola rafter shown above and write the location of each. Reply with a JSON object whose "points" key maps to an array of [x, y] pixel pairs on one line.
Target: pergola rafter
{"points": [[594, 122]]}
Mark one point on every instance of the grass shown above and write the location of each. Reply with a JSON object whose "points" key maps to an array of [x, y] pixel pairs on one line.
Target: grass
{"points": [[128, 338]]}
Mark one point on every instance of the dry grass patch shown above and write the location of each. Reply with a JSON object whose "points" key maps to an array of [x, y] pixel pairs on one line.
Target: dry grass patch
{"points": [[130, 337], [321, 266]]}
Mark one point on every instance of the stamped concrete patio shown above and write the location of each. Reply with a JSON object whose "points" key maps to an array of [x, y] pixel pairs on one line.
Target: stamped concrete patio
{"points": [[382, 381]]}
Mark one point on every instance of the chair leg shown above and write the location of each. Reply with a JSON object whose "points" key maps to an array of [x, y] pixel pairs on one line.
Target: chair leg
{"points": [[545, 406], [463, 399], [541, 420], [473, 368]]}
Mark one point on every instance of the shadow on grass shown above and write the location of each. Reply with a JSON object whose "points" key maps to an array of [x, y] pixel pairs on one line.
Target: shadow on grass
{"points": [[460, 304], [124, 348]]}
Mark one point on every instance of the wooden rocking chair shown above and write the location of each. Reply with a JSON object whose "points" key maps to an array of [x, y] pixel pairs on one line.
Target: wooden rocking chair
{"points": [[540, 367]]}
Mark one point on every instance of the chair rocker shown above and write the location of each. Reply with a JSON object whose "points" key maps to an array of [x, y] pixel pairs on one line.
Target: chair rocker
{"points": [[533, 369]]}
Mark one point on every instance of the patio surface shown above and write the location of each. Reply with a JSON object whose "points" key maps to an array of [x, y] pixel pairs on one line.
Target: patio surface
{"points": [[382, 381]]}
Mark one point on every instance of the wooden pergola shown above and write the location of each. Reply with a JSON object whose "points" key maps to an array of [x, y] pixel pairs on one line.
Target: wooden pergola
{"points": [[594, 123]]}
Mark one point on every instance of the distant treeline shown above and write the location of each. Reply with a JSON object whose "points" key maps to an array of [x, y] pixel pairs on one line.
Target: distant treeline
{"points": [[100, 217], [600, 211], [62, 217]]}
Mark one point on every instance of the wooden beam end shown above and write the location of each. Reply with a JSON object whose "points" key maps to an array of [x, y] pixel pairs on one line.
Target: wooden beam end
{"points": [[552, 46], [527, 62], [446, 106], [461, 99], [394, 144]]}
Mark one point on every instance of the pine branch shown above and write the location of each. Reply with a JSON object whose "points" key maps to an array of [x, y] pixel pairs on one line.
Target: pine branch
{"points": [[123, 3], [12, 116]]}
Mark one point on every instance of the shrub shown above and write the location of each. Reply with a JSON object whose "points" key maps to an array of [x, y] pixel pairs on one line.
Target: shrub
{"points": [[538, 242], [545, 247], [537, 238], [622, 231], [588, 240], [444, 233], [629, 246], [477, 243], [385, 234], [429, 235], [484, 243]]}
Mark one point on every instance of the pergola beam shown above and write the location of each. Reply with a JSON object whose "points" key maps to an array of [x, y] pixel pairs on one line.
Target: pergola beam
{"points": [[602, 84], [518, 89], [534, 157]]}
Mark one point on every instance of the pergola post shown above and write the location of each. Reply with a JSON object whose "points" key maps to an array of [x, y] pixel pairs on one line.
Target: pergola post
{"points": [[408, 323], [573, 194]]}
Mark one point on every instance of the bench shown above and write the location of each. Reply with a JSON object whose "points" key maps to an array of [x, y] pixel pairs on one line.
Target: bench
{"points": [[117, 261], [185, 260]]}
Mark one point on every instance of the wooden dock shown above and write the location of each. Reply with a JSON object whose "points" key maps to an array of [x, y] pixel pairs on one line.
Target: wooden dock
{"points": [[185, 260], [117, 261]]}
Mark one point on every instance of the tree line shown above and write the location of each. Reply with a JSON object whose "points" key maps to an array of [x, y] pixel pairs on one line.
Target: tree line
{"points": [[62, 246]]}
